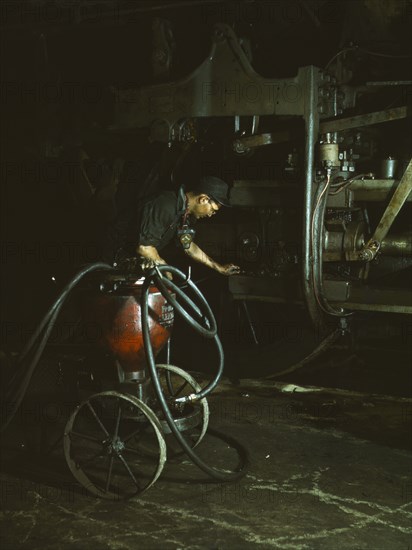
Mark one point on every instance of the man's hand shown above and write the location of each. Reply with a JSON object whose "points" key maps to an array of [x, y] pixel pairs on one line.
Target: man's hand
{"points": [[229, 269], [150, 258], [147, 264], [197, 254]]}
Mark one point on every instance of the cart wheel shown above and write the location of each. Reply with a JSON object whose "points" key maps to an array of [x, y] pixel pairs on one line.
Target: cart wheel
{"points": [[103, 442], [176, 383]]}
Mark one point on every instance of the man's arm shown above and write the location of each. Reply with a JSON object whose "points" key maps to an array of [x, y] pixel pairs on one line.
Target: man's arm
{"points": [[198, 255], [150, 253]]}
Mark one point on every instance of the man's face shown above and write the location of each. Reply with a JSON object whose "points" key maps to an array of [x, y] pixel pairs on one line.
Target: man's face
{"points": [[205, 207]]}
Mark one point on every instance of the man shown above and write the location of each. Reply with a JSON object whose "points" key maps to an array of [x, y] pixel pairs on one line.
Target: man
{"points": [[168, 215]]}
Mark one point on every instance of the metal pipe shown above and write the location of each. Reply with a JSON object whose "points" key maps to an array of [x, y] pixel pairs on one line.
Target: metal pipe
{"points": [[373, 185], [375, 190], [311, 129], [392, 245], [397, 245], [168, 354]]}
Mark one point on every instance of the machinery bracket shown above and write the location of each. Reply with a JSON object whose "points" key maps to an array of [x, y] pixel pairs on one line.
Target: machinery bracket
{"points": [[224, 84], [369, 251]]}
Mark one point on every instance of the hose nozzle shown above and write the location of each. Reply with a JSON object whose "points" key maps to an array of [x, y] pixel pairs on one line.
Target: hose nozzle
{"points": [[187, 398]]}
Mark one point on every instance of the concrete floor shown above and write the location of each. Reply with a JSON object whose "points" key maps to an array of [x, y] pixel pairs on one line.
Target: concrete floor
{"points": [[328, 470]]}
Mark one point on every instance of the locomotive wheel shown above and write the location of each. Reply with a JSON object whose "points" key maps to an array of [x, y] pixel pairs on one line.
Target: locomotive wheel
{"points": [[102, 445], [177, 383]]}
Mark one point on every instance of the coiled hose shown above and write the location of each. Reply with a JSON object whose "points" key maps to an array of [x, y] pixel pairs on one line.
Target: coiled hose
{"points": [[206, 325]]}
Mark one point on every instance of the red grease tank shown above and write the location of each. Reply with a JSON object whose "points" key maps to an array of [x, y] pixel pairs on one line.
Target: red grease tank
{"points": [[117, 317]]}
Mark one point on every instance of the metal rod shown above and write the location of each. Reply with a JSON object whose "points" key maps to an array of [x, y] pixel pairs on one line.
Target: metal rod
{"points": [[371, 248], [395, 204], [106, 433], [168, 351], [109, 474], [397, 245], [373, 184], [363, 120], [311, 128], [390, 83], [250, 323]]}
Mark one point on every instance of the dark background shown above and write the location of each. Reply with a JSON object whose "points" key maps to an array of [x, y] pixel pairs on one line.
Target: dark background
{"points": [[59, 62]]}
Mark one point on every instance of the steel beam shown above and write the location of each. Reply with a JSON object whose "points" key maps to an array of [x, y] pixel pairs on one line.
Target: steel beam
{"points": [[337, 125]]}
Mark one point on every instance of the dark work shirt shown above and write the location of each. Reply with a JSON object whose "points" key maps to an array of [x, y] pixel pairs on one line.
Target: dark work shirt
{"points": [[153, 222], [159, 218]]}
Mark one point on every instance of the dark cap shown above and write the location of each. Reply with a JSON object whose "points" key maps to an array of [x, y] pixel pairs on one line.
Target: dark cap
{"points": [[217, 189]]}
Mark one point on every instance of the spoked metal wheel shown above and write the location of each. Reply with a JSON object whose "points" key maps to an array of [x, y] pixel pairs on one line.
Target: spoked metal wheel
{"points": [[114, 446], [190, 417]]}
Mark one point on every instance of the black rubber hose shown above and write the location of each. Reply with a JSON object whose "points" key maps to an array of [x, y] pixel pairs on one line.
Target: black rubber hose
{"points": [[163, 283], [212, 472], [16, 395], [22, 389], [47, 317], [213, 383], [325, 344], [62, 297], [170, 289]]}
